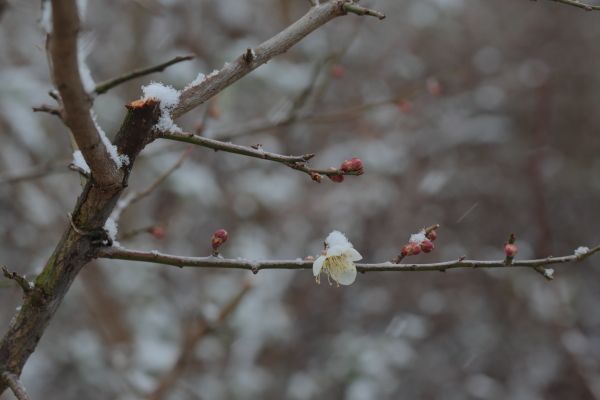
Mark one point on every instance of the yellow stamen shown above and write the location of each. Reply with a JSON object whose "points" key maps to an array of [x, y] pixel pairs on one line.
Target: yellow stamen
{"points": [[337, 265]]}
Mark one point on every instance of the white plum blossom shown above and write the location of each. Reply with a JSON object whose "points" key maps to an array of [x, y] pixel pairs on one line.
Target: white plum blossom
{"points": [[581, 251], [338, 260]]}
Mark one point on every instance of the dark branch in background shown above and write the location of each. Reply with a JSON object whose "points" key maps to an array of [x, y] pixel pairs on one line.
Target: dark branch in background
{"points": [[15, 385], [255, 266], [579, 4], [295, 162], [137, 196], [20, 280], [194, 332], [105, 86], [35, 172], [76, 102]]}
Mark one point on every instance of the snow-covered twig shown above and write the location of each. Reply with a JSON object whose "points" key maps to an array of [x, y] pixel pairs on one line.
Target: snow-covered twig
{"points": [[255, 266], [105, 86], [12, 380]]}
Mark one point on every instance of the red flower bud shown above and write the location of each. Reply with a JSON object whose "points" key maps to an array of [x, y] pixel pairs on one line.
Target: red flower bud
{"points": [[431, 235], [426, 246], [218, 238], [337, 71], [510, 250], [404, 106], [158, 232], [352, 165], [410, 249], [336, 178]]}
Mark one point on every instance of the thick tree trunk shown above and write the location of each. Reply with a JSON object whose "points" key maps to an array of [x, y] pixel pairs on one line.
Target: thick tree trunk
{"points": [[75, 249]]}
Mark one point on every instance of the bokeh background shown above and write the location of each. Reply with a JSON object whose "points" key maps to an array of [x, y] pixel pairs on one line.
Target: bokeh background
{"points": [[480, 116]]}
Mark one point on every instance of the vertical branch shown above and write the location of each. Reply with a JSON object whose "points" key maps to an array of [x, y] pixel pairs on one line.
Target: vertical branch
{"points": [[76, 102]]}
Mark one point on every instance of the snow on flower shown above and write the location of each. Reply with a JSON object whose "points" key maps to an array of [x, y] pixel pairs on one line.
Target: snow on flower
{"points": [[338, 260], [169, 98], [417, 238], [581, 250]]}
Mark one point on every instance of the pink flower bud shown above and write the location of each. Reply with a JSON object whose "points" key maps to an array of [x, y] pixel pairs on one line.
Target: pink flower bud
{"points": [[352, 165], [431, 235], [158, 232], [426, 246], [510, 250], [410, 249], [336, 178], [218, 238], [338, 71], [404, 106]]}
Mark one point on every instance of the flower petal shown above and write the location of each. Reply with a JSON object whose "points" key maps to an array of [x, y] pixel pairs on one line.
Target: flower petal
{"points": [[318, 265], [352, 254], [346, 276], [337, 238], [336, 250]]}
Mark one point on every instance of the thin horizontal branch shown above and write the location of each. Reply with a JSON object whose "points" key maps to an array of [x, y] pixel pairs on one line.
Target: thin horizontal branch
{"points": [[578, 4], [120, 253], [45, 108], [105, 86], [317, 16], [295, 162], [13, 382], [217, 145]]}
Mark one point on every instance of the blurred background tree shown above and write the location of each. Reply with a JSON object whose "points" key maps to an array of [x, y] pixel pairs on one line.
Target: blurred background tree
{"points": [[480, 116]]}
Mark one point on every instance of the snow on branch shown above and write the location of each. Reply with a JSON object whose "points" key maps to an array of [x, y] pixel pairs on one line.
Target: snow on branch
{"points": [[255, 266], [295, 162]]}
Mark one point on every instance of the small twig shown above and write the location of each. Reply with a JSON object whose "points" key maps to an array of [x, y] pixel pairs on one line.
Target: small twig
{"points": [[19, 279], [137, 196], [578, 4], [80, 170], [212, 262], [12, 380], [105, 86], [360, 10], [48, 109]]}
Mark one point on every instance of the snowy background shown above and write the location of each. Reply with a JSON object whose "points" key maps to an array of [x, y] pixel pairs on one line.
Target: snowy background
{"points": [[480, 116]]}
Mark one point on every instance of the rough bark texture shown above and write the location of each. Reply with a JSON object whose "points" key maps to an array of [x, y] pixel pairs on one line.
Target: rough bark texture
{"points": [[74, 249]]}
